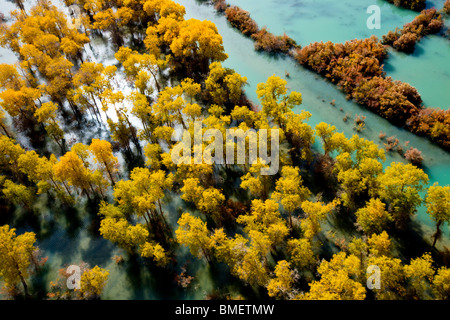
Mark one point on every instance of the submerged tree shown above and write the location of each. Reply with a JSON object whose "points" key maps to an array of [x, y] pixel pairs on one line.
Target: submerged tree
{"points": [[102, 151], [193, 232], [16, 252], [338, 280], [438, 207], [400, 186]]}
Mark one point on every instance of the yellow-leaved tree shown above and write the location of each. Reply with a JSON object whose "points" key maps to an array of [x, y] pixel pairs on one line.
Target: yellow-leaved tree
{"points": [[16, 256]]}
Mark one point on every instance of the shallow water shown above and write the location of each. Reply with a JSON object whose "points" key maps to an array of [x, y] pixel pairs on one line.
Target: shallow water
{"points": [[309, 21]]}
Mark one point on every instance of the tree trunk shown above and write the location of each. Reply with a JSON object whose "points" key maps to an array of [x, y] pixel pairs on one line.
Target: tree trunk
{"points": [[5, 130], [436, 236]]}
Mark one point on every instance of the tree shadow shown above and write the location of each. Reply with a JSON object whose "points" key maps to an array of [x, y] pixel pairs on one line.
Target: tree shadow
{"points": [[411, 243], [37, 283]]}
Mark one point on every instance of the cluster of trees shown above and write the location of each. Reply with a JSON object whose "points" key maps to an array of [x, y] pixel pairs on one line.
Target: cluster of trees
{"points": [[416, 5], [427, 22]]}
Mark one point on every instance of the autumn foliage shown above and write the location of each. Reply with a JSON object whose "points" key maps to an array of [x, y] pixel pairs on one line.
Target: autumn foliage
{"points": [[274, 233], [241, 20], [427, 22]]}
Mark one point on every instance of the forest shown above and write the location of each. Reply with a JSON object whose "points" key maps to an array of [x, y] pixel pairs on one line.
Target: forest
{"points": [[84, 138]]}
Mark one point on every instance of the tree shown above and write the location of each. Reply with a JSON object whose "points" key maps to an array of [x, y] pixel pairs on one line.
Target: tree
{"points": [[265, 218], [10, 77], [9, 155], [400, 186], [144, 111], [228, 250], [21, 104], [102, 151], [420, 273], [331, 140], [140, 66], [40, 170], [109, 20], [211, 202], [299, 134], [192, 190], [373, 218], [121, 232], [253, 269], [155, 251], [4, 126], [16, 252], [123, 133], [133, 238], [289, 190], [152, 152], [255, 182], [274, 99], [358, 165], [73, 169], [92, 282], [224, 85], [437, 202], [193, 232], [169, 106], [248, 263], [379, 245], [281, 285], [93, 82], [142, 194]]}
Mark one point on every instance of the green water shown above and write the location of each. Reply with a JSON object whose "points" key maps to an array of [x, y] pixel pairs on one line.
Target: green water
{"points": [[70, 239]]}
